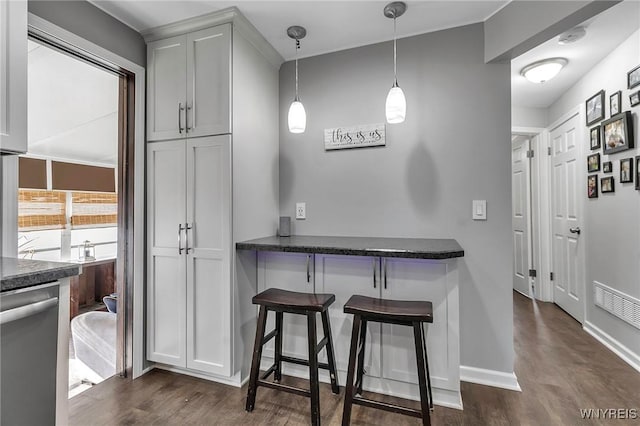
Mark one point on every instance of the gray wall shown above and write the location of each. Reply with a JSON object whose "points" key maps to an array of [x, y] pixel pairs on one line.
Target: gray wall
{"points": [[612, 221], [529, 117], [522, 25], [452, 148], [87, 21]]}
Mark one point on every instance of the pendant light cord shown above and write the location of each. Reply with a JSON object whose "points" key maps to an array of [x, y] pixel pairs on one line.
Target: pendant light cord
{"points": [[297, 47], [395, 70]]}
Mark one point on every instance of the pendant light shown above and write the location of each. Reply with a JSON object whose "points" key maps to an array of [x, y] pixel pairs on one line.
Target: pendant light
{"points": [[297, 115], [396, 105]]}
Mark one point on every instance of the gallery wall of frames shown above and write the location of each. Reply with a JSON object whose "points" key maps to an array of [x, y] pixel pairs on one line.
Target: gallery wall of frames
{"points": [[612, 136]]}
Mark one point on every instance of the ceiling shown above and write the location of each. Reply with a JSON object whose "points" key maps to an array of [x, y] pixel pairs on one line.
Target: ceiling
{"points": [[604, 33], [72, 108], [331, 25]]}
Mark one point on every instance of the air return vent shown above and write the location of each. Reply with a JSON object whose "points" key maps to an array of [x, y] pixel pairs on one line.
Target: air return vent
{"points": [[622, 305]]}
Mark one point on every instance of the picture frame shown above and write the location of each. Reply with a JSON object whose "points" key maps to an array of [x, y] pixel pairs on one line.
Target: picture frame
{"points": [[592, 186], [634, 98], [626, 170], [633, 78], [594, 138], [638, 172], [615, 101], [617, 133], [593, 163], [595, 108], [607, 167], [607, 185]]}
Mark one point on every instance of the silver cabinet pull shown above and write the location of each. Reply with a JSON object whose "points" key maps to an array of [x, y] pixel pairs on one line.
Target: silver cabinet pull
{"points": [[374, 273], [180, 109], [187, 228], [27, 310], [308, 272], [180, 228], [384, 267], [575, 230], [186, 118]]}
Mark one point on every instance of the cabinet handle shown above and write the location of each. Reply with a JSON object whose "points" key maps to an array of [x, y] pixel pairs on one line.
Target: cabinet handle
{"points": [[308, 272], [374, 273], [187, 228], [180, 228], [180, 109], [186, 118], [384, 267]]}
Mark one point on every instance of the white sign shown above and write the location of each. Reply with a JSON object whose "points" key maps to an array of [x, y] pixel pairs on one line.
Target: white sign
{"points": [[354, 136]]}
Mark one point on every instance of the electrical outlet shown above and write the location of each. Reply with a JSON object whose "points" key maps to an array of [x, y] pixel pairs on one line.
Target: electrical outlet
{"points": [[301, 210]]}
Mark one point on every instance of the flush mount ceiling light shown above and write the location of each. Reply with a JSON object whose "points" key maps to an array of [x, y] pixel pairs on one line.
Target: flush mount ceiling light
{"points": [[297, 115], [396, 105], [545, 70]]}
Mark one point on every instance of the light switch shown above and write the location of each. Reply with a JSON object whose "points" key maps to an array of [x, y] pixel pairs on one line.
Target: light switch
{"points": [[479, 210], [301, 210]]}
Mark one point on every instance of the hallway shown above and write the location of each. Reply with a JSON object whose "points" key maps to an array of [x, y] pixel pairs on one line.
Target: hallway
{"points": [[557, 365]]}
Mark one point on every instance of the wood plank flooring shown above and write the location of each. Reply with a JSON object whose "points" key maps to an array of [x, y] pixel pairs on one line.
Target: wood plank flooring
{"points": [[561, 369]]}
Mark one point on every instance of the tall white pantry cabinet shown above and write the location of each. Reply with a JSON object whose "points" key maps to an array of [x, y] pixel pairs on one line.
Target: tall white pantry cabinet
{"points": [[212, 154]]}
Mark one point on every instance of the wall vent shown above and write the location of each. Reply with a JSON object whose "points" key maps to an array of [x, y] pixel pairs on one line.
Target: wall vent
{"points": [[622, 305]]}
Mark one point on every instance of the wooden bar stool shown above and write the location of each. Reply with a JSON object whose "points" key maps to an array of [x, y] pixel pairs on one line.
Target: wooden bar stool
{"points": [[409, 313], [308, 304]]}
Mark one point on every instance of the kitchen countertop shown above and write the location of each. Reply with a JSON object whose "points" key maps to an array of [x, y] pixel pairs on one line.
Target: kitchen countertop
{"points": [[21, 273], [417, 248]]}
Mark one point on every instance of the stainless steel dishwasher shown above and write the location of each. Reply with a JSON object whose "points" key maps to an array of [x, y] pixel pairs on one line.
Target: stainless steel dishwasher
{"points": [[28, 355]]}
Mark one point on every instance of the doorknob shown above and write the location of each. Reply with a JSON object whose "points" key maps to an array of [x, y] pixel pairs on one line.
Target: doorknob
{"points": [[575, 230]]}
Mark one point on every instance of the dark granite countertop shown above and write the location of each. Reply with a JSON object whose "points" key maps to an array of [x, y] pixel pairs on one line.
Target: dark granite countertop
{"points": [[417, 248], [21, 273]]}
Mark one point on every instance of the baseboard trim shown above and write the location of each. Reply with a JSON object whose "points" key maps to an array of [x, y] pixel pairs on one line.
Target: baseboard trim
{"points": [[613, 345], [231, 381], [497, 379]]}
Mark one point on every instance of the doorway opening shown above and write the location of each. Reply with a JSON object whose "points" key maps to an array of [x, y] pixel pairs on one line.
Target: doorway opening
{"points": [[75, 198]]}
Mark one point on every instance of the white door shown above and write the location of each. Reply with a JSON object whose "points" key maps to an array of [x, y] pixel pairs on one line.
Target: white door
{"points": [[209, 81], [13, 76], [567, 191], [410, 279], [208, 252], [520, 219], [167, 88], [345, 276], [166, 289]]}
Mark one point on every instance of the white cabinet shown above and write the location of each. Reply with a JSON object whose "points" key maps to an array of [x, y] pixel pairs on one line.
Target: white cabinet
{"points": [[13, 76], [190, 85], [189, 239]]}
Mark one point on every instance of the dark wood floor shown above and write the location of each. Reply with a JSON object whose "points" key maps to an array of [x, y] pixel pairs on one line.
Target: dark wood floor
{"points": [[561, 369]]}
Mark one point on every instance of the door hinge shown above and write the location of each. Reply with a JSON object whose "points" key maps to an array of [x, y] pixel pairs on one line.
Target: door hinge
{"points": [[551, 276], [530, 153], [548, 150], [533, 273]]}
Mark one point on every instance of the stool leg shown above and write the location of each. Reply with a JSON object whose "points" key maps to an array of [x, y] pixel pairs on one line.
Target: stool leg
{"points": [[255, 362], [422, 380], [313, 369], [348, 393], [277, 375], [363, 338], [331, 357], [426, 361]]}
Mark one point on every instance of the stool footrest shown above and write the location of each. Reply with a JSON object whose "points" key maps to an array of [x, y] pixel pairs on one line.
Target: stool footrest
{"points": [[269, 336], [285, 388], [299, 361], [387, 407], [322, 344], [269, 371]]}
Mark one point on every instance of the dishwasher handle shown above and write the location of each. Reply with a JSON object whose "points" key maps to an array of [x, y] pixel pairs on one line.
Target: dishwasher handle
{"points": [[27, 310]]}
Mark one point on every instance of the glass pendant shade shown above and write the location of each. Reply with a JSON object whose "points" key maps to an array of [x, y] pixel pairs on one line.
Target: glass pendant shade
{"points": [[297, 117], [396, 106]]}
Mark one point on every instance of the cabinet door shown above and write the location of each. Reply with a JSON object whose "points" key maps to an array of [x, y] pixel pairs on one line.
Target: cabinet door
{"points": [[209, 81], [412, 279], [208, 249], [345, 276], [167, 88], [166, 284], [13, 76], [288, 271]]}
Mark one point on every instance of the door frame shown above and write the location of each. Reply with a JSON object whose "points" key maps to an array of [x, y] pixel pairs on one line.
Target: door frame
{"points": [[540, 209], [582, 184], [135, 304]]}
